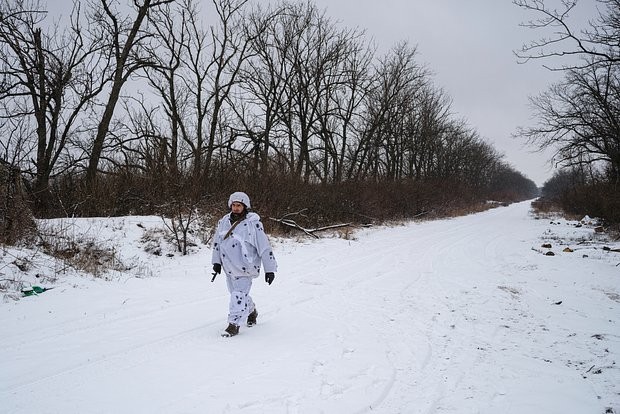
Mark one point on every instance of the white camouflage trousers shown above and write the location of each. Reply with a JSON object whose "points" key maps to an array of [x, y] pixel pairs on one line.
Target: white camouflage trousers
{"points": [[241, 303]]}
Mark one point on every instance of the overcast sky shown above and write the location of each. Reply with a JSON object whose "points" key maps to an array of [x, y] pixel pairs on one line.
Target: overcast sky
{"points": [[469, 45]]}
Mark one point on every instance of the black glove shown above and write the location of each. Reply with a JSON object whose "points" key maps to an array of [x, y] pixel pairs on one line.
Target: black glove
{"points": [[269, 276], [217, 268]]}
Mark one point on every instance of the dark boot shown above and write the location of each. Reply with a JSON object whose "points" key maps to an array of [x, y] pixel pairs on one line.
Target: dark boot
{"points": [[252, 318], [231, 330]]}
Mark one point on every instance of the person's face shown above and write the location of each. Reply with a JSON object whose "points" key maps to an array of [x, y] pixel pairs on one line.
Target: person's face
{"points": [[236, 207]]}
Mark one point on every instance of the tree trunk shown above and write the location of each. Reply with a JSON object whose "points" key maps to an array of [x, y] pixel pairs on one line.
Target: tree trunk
{"points": [[120, 77]]}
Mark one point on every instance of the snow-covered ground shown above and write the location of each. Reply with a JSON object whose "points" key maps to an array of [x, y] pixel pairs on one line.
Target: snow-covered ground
{"points": [[466, 315]]}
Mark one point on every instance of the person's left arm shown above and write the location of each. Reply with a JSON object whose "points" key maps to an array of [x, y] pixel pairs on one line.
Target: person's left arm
{"points": [[265, 251]]}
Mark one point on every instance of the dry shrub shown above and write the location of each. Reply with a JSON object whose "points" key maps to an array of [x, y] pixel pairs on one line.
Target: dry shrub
{"points": [[274, 194], [360, 203], [596, 200], [16, 220], [78, 251], [544, 206]]}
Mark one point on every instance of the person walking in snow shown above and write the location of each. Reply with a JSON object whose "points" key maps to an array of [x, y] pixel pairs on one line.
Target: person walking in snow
{"points": [[239, 246]]}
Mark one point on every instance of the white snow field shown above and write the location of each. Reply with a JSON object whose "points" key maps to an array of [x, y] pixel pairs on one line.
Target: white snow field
{"points": [[466, 315]]}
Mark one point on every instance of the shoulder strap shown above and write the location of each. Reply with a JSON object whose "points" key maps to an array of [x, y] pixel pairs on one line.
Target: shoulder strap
{"points": [[229, 232]]}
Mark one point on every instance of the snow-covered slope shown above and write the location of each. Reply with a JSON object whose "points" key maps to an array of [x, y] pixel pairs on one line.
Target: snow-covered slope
{"points": [[464, 316]]}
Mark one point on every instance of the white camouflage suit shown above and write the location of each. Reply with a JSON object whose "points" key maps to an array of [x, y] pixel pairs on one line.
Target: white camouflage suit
{"points": [[240, 255]]}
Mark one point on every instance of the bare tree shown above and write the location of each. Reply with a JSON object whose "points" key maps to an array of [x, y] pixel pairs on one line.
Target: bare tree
{"points": [[165, 78], [196, 72], [596, 43], [49, 80], [304, 81], [127, 51], [579, 116], [262, 82], [426, 126], [342, 96], [399, 79], [306, 33]]}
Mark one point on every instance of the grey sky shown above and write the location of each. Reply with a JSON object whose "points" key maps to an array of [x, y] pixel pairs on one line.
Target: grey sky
{"points": [[468, 44]]}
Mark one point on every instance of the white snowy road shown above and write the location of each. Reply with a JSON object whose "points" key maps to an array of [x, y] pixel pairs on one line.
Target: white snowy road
{"points": [[462, 316]]}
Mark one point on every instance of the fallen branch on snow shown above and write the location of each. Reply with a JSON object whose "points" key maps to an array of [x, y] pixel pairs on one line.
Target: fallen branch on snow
{"points": [[310, 232]]}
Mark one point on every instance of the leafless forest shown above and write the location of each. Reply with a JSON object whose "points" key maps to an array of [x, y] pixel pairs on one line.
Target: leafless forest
{"points": [[166, 106]]}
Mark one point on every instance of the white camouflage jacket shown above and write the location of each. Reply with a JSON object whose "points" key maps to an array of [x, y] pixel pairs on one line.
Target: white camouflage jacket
{"points": [[242, 252]]}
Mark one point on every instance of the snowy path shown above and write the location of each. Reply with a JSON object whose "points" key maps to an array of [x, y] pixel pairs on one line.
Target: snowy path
{"points": [[458, 316]]}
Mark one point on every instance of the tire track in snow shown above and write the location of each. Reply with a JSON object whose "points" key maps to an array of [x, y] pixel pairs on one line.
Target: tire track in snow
{"points": [[145, 348], [461, 244], [84, 325], [382, 290], [479, 341], [416, 379]]}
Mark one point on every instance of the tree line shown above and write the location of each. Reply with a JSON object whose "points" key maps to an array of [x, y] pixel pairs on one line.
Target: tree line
{"points": [[578, 117], [161, 98]]}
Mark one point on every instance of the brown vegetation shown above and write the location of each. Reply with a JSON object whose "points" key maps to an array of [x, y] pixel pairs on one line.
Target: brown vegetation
{"points": [[273, 195], [579, 192], [16, 221]]}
